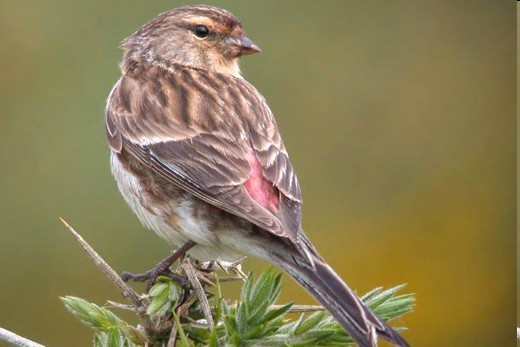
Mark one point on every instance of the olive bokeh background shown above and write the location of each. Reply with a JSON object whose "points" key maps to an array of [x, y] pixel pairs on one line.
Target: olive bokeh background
{"points": [[399, 118]]}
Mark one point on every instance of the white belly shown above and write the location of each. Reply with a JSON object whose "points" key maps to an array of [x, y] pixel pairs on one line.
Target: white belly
{"points": [[228, 245]]}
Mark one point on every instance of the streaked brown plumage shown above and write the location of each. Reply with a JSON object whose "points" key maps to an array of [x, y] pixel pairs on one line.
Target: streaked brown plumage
{"points": [[197, 154]]}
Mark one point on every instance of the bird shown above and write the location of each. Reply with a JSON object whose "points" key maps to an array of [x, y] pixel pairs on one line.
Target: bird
{"points": [[198, 156]]}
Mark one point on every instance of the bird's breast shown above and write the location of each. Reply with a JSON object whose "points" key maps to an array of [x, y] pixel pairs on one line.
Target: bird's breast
{"points": [[137, 190], [175, 215]]}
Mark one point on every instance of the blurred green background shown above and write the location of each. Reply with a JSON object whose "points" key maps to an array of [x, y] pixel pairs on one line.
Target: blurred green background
{"points": [[399, 117]]}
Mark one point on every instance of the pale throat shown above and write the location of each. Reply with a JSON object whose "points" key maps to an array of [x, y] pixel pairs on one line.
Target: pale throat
{"points": [[228, 67]]}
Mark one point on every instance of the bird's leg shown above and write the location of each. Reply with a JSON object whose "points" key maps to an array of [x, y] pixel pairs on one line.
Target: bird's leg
{"points": [[162, 269]]}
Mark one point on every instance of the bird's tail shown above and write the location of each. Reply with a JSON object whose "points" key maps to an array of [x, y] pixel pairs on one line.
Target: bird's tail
{"points": [[329, 289]]}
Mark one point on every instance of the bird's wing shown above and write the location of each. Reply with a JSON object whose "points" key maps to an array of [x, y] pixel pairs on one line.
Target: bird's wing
{"points": [[208, 134]]}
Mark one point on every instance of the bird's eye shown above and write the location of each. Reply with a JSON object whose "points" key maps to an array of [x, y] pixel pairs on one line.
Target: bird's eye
{"points": [[201, 31]]}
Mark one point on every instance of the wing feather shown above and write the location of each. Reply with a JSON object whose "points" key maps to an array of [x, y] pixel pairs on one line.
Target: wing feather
{"points": [[188, 130]]}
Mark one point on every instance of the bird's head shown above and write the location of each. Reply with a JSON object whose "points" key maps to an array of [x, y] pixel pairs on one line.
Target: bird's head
{"points": [[199, 36]]}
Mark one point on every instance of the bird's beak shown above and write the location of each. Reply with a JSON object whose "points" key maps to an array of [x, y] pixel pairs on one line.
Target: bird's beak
{"points": [[242, 45], [247, 46]]}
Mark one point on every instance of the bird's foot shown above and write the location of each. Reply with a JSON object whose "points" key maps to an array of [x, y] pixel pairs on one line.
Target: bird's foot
{"points": [[151, 276], [162, 269]]}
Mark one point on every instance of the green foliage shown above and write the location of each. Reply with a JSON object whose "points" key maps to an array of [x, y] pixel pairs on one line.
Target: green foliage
{"points": [[254, 320], [163, 297], [109, 329]]}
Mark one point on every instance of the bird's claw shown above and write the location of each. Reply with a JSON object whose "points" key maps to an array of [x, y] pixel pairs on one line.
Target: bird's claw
{"points": [[151, 276]]}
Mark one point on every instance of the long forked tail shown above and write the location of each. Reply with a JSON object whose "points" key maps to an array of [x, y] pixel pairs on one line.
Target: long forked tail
{"points": [[330, 290]]}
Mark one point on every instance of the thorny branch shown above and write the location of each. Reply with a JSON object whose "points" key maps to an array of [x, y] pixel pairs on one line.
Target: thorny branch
{"points": [[10, 337], [113, 276]]}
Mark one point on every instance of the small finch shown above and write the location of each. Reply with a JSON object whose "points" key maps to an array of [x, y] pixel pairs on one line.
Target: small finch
{"points": [[197, 155]]}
